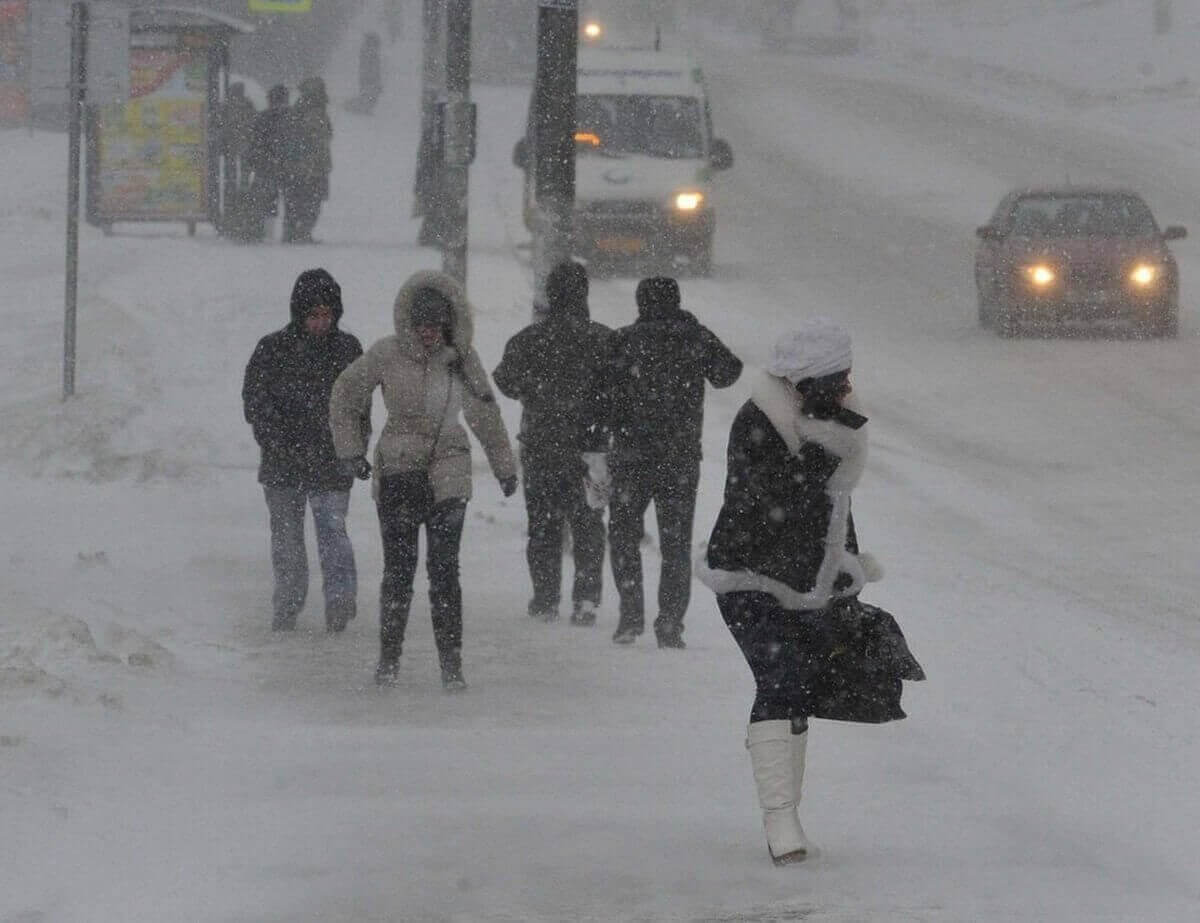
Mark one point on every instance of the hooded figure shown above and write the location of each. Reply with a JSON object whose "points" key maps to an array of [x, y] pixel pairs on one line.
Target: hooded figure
{"points": [[654, 408], [285, 396], [430, 376], [784, 562], [554, 368]]}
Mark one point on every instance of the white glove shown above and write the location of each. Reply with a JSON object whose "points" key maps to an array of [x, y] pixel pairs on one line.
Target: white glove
{"points": [[597, 483]]}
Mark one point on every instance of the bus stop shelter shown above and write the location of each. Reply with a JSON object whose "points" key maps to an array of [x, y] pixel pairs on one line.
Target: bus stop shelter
{"points": [[156, 157]]}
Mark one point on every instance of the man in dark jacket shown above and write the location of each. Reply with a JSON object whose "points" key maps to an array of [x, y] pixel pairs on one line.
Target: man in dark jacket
{"points": [[552, 368], [654, 392], [263, 159], [285, 395], [307, 161]]}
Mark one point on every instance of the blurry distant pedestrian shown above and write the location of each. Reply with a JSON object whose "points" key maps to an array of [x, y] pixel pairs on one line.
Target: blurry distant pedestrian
{"points": [[266, 141], [236, 122], [553, 368], [654, 392], [370, 76], [285, 394], [393, 11], [430, 374], [307, 161]]}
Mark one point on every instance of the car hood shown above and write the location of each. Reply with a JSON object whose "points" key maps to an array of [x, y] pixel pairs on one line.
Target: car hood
{"points": [[1081, 251], [637, 177]]}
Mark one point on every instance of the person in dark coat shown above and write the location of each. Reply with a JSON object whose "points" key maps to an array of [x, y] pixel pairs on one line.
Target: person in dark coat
{"points": [[264, 161], [370, 73], [553, 368], [285, 395], [784, 550], [307, 161], [654, 395], [236, 134]]}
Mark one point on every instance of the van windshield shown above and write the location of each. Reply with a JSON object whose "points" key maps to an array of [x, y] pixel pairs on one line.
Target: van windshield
{"points": [[656, 126]]}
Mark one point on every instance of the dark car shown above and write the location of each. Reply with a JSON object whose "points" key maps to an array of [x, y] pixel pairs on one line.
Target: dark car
{"points": [[1050, 257]]}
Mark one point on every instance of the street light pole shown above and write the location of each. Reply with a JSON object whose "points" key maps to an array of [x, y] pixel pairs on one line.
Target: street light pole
{"points": [[426, 187], [553, 140], [458, 125], [76, 88]]}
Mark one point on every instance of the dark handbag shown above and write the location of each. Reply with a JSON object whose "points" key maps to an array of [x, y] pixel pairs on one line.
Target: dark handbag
{"points": [[865, 665]]}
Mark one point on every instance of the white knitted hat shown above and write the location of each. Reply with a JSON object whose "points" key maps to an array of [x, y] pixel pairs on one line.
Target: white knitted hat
{"points": [[814, 348]]}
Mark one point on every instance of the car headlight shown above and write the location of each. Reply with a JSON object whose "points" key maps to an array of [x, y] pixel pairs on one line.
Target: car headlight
{"points": [[593, 30], [1040, 275], [1143, 275], [689, 201]]}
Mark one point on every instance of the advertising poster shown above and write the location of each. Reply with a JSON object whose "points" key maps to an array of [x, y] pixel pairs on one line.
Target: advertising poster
{"points": [[14, 61], [151, 152]]}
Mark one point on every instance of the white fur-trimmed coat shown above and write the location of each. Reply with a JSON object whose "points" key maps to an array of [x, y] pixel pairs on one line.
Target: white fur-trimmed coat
{"points": [[786, 528]]}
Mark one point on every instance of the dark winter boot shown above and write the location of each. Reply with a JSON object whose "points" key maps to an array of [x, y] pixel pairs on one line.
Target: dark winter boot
{"points": [[284, 621], [388, 671], [452, 675], [584, 613], [543, 612], [338, 614]]}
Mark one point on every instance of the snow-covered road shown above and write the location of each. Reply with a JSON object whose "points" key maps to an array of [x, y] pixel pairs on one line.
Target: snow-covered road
{"points": [[164, 757]]}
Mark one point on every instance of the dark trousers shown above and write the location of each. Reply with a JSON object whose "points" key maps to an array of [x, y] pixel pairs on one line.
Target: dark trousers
{"points": [[785, 649], [289, 557], [671, 484], [405, 503], [301, 208], [554, 497]]}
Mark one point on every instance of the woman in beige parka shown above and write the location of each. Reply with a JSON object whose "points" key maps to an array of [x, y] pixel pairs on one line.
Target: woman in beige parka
{"points": [[430, 375]]}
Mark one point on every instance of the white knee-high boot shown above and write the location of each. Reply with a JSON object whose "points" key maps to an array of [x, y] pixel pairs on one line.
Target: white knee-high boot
{"points": [[771, 757]]}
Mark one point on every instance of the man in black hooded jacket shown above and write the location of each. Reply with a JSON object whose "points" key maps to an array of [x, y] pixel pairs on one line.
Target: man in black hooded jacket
{"points": [[654, 396], [552, 368], [285, 396]]}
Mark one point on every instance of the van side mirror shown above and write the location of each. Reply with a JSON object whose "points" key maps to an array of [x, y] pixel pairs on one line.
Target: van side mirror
{"points": [[989, 232], [720, 154], [1174, 232], [520, 155]]}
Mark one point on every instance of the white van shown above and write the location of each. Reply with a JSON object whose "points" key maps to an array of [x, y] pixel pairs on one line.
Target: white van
{"points": [[645, 158]]}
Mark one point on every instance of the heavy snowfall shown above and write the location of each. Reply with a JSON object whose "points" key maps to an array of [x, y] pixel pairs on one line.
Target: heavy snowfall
{"points": [[165, 756]]}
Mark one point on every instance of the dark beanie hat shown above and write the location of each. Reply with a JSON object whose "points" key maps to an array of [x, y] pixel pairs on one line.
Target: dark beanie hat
{"points": [[567, 289], [430, 308], [315, 287], [658, 293]]}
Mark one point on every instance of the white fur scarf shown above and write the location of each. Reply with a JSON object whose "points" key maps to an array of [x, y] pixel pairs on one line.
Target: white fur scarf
{"points": [[776, 398]]}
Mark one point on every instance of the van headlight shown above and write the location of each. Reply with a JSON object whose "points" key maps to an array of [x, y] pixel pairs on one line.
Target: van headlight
{"points": [[689, 201], [1144, 275], [1040, 275]]}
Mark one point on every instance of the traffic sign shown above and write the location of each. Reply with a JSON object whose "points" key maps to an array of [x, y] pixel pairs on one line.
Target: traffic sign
{"points": [[280, 6]]}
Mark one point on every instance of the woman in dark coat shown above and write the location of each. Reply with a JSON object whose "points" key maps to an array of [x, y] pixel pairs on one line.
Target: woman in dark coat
{"points": [[783, 551]]}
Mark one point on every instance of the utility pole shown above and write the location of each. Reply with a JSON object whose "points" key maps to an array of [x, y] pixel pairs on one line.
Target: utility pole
{"points": [[77, 83], [426, 187], [553, 141], [458, 147]]}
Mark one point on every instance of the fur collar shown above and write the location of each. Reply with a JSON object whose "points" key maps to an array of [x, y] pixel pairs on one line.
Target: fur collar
{"points": [[778, 400]]}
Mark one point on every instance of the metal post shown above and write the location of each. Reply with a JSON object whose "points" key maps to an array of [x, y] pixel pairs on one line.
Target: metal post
{"points": [[428, 179], [554, 140], [76, 89], [458, 125]]}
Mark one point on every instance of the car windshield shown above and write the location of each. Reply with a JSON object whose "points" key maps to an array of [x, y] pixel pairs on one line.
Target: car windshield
{"points": [[1082, 216], [657, 126]]}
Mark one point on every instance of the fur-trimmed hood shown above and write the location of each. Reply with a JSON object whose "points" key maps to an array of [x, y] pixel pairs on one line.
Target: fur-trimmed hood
{"points": [[463, 323]]}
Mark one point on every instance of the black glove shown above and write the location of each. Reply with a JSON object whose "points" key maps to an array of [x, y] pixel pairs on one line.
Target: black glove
{"points": [[509, 485], [357, 467]]}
